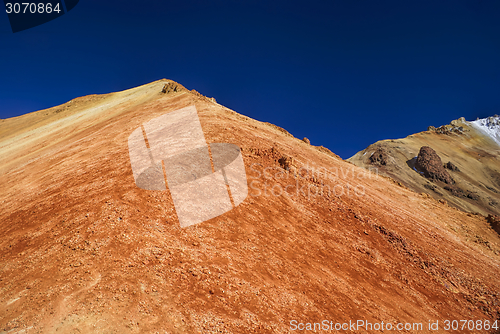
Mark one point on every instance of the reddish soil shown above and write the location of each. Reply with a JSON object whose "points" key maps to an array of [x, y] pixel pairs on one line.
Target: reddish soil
{"points": [[86, 251]]}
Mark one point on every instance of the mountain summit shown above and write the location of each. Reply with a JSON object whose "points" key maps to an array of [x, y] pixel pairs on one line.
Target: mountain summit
{"points": [[316, 240]]}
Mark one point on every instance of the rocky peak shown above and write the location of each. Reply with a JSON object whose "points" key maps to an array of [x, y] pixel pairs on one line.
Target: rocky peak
{"points": [[456, 126]]}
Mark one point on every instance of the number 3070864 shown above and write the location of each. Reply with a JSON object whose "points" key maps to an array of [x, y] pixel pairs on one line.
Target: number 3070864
{"points": [[31, 7]]}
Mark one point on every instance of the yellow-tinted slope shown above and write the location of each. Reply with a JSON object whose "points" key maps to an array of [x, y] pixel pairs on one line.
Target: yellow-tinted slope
{"points": [[476, 156]]}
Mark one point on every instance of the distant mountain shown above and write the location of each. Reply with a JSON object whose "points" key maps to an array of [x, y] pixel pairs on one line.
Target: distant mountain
{"points": [[92, 242], [469, 155]]}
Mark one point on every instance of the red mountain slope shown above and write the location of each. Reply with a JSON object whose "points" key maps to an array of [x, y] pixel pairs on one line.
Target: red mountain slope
{"points": [[85, 250]]}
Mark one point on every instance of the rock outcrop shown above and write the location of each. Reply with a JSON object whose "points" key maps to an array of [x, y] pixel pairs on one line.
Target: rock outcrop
{"points": [[379, 157], [494, 222], [455, 127], [286, 162], [430, 164], [171, 87], [451, 166]]}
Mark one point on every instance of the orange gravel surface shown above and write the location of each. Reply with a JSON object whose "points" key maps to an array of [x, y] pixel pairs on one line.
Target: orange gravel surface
{"points": [[84, 250]]}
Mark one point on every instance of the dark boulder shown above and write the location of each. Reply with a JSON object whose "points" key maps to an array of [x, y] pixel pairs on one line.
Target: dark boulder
{"points": [[430, 164], [452, 167]]}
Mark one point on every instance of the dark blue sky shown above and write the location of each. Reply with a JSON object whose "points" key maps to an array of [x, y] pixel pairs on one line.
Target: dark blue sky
{"points": [[342, 73]]}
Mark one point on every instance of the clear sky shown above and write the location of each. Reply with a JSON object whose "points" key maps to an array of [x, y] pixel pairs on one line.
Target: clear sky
{"points": [[342, 73]]}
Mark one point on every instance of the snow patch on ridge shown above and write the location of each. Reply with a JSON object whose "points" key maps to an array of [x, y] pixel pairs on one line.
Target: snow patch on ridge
{"points": [[490, 126]]}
